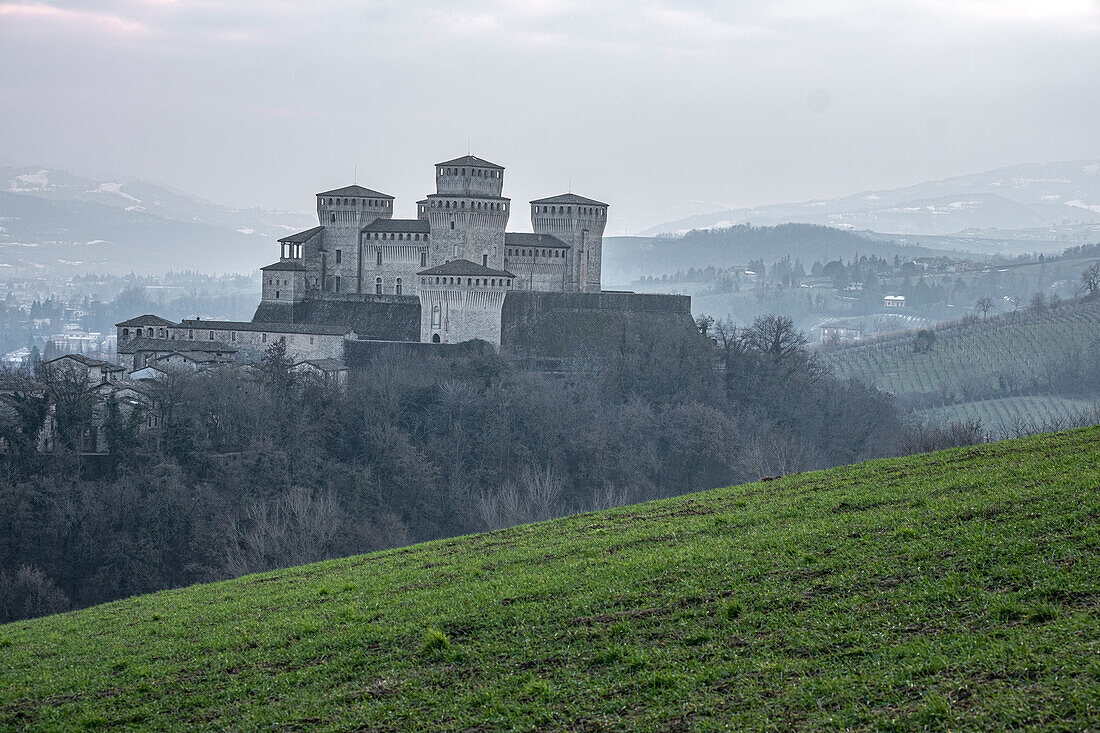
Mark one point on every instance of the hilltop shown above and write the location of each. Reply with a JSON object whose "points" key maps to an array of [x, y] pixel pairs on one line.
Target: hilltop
{"points": [[1048, 200], [958, 589], [975, 363]]}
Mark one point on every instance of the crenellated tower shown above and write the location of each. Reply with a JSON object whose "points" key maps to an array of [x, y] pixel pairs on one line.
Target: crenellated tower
{"points": [[467, 214], [343, 212], [579, 223]]}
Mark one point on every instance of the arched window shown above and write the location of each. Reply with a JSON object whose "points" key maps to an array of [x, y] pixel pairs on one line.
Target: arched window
{"points": [[334, 218], [423, 259], [452, 224], [435, 338]]}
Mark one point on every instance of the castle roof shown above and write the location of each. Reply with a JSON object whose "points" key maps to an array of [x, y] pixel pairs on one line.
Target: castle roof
{"points": [[470, 160], [274, 328], [398, 225], [88, 362], [324, 365], [147, 320], [569, 198], [287, 265], [431, 196], [356, 191], [305, 236], [465, 268], [146, 344], [525, 239]]}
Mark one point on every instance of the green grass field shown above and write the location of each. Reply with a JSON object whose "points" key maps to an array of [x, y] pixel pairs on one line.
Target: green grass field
{"points": [[971, 356], [957, 590]]}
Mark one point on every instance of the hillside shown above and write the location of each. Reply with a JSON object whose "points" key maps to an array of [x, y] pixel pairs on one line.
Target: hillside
{"points": [[627, 258], [1011, 355], [55, 223], [951, 590], [1055, 198]]}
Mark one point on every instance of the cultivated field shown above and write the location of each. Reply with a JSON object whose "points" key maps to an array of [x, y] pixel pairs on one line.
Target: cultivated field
{"points": [[1004, 356], [955, 590]]}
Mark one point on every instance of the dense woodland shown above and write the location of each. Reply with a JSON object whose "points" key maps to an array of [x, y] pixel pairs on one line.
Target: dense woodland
{"points": [[255, 470]]}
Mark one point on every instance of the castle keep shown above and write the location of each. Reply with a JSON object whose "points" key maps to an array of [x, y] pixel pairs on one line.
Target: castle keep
{"points": [[451, 275]]}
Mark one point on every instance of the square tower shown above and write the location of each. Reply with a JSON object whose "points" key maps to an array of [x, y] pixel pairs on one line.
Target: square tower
{"points": [[579, 223]]}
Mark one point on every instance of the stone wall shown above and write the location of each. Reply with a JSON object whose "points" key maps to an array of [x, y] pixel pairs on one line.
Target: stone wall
{"points": [[251, 344], [455, 313], [359, 355], [383, 317], [564, 325]]}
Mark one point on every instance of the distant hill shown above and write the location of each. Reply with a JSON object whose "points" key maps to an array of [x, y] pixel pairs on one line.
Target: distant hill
{"points": [[976, 368], [627, 258], [1063, 195], [948, 591], [55, 222]]}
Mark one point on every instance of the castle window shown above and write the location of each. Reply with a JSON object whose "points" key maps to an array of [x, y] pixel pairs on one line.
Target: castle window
{"points": [[463, 171], [125, 333], [337, 284], [276, 294], [233, 336], [436, 316], [509, 283], [190, 334], [378, 286], [435, 338], [504, 207], [423, 259], [339, 256], [211, 335], [478, 282], [452, 224], [263, 338], [334, 218], [311, 341], [379, 259], [397, 287], [469, 281], [484, 260], [493, 281]]}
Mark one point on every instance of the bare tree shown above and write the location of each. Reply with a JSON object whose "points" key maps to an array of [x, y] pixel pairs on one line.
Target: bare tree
{"points": [[1090, 280], [294, 528], [984, 305]]}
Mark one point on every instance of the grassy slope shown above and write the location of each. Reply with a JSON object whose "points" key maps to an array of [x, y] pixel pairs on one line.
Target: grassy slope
{"points": [[979, 351], [955, 589]]}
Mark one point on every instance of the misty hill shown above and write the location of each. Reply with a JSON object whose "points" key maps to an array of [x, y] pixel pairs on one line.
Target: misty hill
{"points": [[626, 258], [1065, 194], [55, 222], [949, 590], [977, 367]]}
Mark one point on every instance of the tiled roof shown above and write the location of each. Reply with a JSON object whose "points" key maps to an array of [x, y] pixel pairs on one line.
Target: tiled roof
{"points": [[88, 362], [303, 236], [523, 239], [267, 327], [356, 191], [144, 344], [398, 225], [147, 320], [569, 198], [325, 365], [470, 160], [285, 265], [464, 268]]}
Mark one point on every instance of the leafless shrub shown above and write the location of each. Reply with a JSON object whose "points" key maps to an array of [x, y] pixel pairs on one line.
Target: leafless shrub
{"points": [[294, 528]]}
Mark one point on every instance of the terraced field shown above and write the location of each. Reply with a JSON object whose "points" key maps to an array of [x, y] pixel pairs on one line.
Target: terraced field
{"points": [[1007, 412], [1005, 355]]}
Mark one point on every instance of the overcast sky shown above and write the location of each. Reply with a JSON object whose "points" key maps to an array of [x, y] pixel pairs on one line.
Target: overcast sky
{"points": [[662, 109]]}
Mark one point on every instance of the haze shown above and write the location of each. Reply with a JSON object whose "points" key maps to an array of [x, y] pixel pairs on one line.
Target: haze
{"points": [[662, 109]]}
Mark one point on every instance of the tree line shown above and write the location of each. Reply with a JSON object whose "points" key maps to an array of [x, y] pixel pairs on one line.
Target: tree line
{"points": [[256, 469]]}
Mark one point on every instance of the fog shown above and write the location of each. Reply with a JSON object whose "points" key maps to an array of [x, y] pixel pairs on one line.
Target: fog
{"points": [[662, 109]]}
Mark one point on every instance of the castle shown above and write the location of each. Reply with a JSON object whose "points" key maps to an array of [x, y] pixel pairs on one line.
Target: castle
{"points": [[451, 275]]}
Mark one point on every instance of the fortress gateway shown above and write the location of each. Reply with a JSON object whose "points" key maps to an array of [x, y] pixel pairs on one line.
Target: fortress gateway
{"points": [[451, 275]]}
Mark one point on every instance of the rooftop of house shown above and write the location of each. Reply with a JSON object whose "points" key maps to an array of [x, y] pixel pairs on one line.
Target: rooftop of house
{"points": [[398, 225], [303, 236], [146, 320], [276, 328], [285, 265], [356, 191], [472, 161], [569, 198], [465, 268], [526, 239]]}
